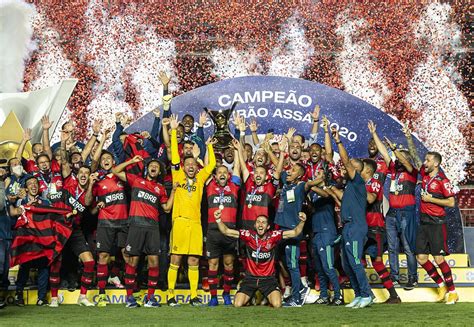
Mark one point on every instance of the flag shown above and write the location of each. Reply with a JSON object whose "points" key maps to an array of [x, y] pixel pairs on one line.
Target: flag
{"points": [[132, 148], [40, 232]]}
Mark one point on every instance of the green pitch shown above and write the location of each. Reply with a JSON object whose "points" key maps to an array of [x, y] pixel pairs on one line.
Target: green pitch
{"points": [[409, 314]]}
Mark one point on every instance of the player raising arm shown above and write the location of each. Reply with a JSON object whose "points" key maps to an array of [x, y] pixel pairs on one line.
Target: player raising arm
{"points": [[260, 245]]}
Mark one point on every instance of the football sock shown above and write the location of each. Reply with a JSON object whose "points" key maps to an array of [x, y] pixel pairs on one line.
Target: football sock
{"points": [[213, 282], [87, 276], [102, 276], [54, 277], [433, 273], [129, 277], [172, 276], [193, 275], [385, 277], [228, 279], [152, 280], [448, 277]]}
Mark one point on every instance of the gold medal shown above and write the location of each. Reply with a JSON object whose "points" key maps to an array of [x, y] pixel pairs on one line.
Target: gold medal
{"points": [[249, 205], [221, 207], [396, 192]]}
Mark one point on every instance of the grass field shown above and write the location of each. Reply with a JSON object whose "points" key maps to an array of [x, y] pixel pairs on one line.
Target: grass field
{"points": [[408, 314]]}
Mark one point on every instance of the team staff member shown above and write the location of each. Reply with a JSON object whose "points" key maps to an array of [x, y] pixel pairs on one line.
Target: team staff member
{"points": [[437, 193], [260, 247], [144, 232], [222, 194], [186, 232], [354, 232], [324, 239], [291, 202]]}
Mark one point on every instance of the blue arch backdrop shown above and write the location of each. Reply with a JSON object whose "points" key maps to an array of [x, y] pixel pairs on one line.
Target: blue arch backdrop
{"points": [[281, 102]]}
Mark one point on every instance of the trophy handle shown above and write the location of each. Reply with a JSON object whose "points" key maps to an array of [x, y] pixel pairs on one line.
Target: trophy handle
{"points": [[229, 113]]}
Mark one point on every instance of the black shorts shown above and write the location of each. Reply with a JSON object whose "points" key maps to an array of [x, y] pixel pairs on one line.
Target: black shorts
{"points": [[109, 237], [432, 239], [217, 244], [142, 240], [375, 245], [266, 285], [77, 242]]}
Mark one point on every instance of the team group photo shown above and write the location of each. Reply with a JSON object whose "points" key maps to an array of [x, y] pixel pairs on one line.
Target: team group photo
{"points": [[209, 162]]}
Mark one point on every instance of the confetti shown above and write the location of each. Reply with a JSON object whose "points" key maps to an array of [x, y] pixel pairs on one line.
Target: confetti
{"points": [[407, 59]]}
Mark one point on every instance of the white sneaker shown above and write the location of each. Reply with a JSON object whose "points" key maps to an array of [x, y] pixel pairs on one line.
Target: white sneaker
{"points": [[83, 301], [354, 302], [54, 302], [116, 282]]}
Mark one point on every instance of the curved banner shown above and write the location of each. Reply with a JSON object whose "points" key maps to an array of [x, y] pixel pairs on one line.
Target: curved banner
{"points": [[279, 103]]}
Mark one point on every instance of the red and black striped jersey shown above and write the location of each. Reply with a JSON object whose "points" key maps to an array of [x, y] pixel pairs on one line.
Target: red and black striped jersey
{"points": [[439, 187], [31, 167], [146, 198], [224, 198], [402, 187], [256, 201], [260, 252], [49, 183], [374, 215], [382, 169], [312, 169], [111, 191], [71, 196]]}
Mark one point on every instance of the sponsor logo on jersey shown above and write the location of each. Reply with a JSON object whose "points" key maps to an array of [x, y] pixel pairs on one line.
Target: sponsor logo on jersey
{"points": [[76, 204], [114, 197], [147, 196], [226, 199], [261, 255], [254, 198]]}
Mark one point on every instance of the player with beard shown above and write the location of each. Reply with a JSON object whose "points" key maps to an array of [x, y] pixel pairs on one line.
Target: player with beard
{"points": [[108, 192], [258, 192], [186, 232], [260, 247], [294, 155], [144, 234], [353, 212], [73, 196], [400, 221], [222, 195], [437, 193]]}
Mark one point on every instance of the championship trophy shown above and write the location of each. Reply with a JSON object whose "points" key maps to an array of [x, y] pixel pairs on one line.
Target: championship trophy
{"points": [[221, 126]]}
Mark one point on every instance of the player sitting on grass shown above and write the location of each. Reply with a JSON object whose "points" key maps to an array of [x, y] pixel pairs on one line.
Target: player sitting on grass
{"points": [[260, 245]]}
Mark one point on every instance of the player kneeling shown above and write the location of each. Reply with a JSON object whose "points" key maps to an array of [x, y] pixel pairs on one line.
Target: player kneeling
{"points": [[260, 247]]}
